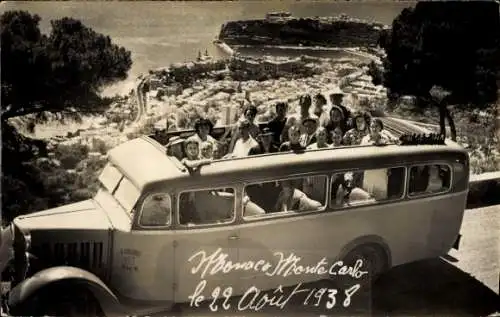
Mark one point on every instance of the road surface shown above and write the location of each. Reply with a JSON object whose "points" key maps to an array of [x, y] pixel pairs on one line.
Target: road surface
{"points": [[466, 282]]}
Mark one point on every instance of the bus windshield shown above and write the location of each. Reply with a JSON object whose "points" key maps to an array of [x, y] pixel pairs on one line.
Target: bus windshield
{"points": [[120, 187]]}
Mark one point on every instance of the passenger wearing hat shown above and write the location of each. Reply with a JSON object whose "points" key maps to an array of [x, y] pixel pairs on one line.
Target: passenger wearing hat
{"points": [[336, 99], [308, 137], [265, 145], [175, 147]]}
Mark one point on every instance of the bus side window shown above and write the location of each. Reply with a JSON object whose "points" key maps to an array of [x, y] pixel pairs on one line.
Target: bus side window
{"points": [[303, 194], [368, 186], [156, 211], [429, 179], [210, 206]]}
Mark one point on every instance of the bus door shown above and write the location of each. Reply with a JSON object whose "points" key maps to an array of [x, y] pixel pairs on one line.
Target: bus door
{"points": [[205, 242], [277, 236]]}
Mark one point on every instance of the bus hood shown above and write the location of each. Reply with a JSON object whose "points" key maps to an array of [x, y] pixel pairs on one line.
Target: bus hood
{"points": [[85, 214]]}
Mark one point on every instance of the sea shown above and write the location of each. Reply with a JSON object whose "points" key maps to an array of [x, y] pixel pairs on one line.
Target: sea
{"points": [[159, 33]]}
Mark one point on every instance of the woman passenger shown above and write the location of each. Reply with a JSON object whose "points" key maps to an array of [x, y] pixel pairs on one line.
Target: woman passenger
{"points": [[203, 128], [192, 160], [358, 132], [336, 137], [375, 136], [336, 121]]}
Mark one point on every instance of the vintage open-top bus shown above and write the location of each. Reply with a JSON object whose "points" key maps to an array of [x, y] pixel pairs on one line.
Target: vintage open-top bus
{"points": [[155, 231]]}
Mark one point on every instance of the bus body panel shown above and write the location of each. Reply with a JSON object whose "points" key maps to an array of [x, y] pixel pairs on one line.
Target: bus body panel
{"points": [[446, 221], [195, 249], [143, 265]]}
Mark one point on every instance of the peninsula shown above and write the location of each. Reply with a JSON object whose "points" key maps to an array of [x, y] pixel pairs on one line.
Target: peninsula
{"points": [[282, 29]]}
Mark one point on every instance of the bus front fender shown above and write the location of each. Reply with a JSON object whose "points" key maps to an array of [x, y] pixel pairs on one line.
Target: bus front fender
{"points": [[25, 290]]}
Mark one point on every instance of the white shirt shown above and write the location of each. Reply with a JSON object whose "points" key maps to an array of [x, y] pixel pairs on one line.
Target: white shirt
{"points": [[241, 148]]}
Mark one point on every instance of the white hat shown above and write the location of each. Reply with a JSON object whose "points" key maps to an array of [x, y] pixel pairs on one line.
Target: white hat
{"points": [[336, 91]]}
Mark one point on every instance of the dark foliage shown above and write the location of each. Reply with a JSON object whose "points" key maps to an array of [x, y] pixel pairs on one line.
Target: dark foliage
{"points": [[455, 45], [61, 73], [63, 70]]}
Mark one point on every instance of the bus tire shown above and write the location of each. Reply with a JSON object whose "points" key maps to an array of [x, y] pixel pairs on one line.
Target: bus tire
{"points": [[374, 263], [62, 299]]}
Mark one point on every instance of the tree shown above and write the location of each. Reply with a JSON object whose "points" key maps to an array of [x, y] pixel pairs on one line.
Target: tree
{"points": [[61, 73], [453, 46]]}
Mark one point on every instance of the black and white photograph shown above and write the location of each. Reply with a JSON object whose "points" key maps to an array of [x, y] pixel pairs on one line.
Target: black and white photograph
{"points": [[250, 158]]}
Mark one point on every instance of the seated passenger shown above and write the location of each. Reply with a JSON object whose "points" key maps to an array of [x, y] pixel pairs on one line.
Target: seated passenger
{"points": [[292, 199], [245, 141], [203, 128], [192, 160], [294, 141], [435, 181], [336, 136], [265, 145], [253, 129], [344, 191], [296, 119], [309, 136], [175, 147], [263, 194], [321, 140], [250, 208], [319, 104], [359, 131], [209, 206], [277, 124], [156, 211], [207, 150], [336, 120], [419, 179], [376, 135]]}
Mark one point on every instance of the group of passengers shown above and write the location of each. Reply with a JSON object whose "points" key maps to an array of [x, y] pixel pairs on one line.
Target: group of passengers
{"points": [[318, 125]]}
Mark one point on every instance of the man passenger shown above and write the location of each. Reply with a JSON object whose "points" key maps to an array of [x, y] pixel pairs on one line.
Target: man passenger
{"points": [[249, 115], [265, 144], [175, 147], [277, 124], [245, 141]]}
